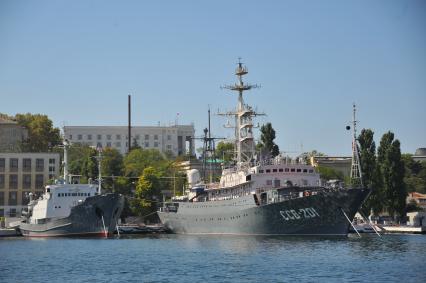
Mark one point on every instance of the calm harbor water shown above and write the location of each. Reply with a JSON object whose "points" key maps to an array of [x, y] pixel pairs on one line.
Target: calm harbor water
{"points": [[175, 258]]}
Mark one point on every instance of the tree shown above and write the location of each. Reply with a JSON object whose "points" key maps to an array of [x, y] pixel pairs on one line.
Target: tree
{"points": [[225, 151], [392, 170], [267, 137], [41, 133], [147, 192], [135, 144], [139, 159], [415, 174], [112, 165], [82, 161], [370, 172], [328, 173]]}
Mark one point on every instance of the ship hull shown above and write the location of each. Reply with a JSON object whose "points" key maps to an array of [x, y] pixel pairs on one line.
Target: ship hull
{"points": [[320, 214], [97, 216]]}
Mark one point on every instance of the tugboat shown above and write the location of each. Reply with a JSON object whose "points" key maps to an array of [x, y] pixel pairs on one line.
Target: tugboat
{"points": [[273, 196], [67, 209]]}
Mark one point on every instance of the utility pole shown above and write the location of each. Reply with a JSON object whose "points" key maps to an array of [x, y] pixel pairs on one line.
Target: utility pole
{"points": [[129, 125]]}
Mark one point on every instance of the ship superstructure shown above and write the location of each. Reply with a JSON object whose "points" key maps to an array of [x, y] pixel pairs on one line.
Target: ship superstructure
{"points": [[273, 196]]}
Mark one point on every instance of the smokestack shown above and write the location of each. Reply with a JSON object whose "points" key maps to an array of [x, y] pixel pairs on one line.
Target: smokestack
{"points": [[129, 124]]}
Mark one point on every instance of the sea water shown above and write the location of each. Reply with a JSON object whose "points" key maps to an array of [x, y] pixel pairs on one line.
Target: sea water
{"points": [[184, 258]]}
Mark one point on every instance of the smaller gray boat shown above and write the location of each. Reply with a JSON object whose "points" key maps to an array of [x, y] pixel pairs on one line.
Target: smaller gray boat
{"points": [[72, 210]]}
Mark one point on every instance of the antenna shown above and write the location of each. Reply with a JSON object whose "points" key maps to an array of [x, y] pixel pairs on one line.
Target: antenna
{"points": [[209, 149], [356, 174], [243, 115]]}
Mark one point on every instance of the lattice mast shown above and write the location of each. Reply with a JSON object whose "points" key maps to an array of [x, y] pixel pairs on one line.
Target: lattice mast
{"points": [[244, 141], [356, 174]]}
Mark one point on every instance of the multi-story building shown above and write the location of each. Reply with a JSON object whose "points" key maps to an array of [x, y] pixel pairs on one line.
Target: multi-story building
{"points": [[177, 139], [11, 135], [22, 173]]}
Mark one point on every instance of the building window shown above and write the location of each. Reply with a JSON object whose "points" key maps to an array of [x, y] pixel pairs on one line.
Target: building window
{"points": [[1, 210], [99, 137], [1, 198], [277, 183], [169, 147], [80, 137], [293, 170], [118, 144], [260, 171], [25, 198], [13, 181], [108, 144], [169, 137], [118, 137], [109, 137], [274, 170], [12, 212], [1, 181], [156, 137], [39, 164], [286, 169], [2, 164], [299, 170], [269, 182], [138, 137], [268, 170], [146, 144], [52, 161], [39, 182], [280, 170], [13, 198], [26, 164], [70, 136], [26, 181], [155, 144], [13, 165], [89, 137], [146, 137]]}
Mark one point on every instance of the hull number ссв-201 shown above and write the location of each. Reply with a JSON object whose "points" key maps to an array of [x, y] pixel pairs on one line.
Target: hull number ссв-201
{"points": [[302, 213]]}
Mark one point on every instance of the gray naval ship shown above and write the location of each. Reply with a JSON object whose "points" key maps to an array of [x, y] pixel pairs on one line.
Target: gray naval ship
{"points": [[268, 197], [67, 209]]}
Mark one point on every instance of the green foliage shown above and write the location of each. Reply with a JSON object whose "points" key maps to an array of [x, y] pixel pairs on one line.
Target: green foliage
{"points": [[139, 159], [267, 144], [415, 174], [392, 170], [112, 165], [82, 161], [225, 151], [371, 177], [41, 133], [147, 192], [328, 173]]}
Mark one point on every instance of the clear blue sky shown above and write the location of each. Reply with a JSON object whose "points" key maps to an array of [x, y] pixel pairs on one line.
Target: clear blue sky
{"points": [[77, 61]]}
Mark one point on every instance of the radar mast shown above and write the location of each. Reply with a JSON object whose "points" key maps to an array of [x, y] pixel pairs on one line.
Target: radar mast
{"points": [[243, 114]]}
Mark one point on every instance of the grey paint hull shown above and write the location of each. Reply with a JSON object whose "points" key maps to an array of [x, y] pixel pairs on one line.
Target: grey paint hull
{"points": [[96, 216], [319, 214]]}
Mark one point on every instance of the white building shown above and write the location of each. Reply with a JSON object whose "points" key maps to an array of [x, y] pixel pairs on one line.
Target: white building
{"points": [[22, 173], [175, 139]]}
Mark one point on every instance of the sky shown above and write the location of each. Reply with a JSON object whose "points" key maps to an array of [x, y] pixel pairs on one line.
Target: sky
{"points": [[77, 61]]}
